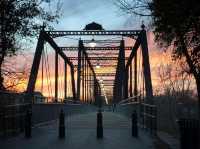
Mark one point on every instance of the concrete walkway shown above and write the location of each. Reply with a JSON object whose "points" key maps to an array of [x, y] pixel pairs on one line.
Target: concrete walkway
{"points": [[81, 134]]}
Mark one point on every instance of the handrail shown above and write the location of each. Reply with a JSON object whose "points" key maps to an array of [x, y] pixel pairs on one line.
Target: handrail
{"points": [[128, 99]]}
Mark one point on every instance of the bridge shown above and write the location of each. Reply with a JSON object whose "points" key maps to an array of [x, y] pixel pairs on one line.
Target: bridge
{"points": [[111, 108]]}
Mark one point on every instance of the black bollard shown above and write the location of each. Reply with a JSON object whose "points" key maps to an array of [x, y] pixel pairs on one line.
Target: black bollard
{"points": [[28, 124], [62, 125], [134, 124], [189, 133], [99, 125]]}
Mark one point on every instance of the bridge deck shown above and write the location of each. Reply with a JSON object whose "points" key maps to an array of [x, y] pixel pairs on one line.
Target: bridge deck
{"points": [[81, 134]]}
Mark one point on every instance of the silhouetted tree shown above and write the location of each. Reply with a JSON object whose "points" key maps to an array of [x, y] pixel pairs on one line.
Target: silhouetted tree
{"points": [[135, 7], [176, 23], [20, 19]]}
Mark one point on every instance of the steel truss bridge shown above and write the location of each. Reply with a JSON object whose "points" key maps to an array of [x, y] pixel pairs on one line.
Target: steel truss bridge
{"points": [[85, 80]]}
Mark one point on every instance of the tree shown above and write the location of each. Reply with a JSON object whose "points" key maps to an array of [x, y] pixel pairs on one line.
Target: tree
{"points": [[20, 19], [177, 23], [15, 74], [173, 80], [135, 7]]}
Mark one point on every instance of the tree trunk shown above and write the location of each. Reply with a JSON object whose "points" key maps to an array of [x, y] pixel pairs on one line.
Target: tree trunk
{"points": [[198, 94], [1, 73]]}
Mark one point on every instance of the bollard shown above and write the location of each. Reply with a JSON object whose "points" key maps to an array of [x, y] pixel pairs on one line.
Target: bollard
{"points": [[62, 125], [28, 124], [99, 125], [134, 124], [189, 133]]}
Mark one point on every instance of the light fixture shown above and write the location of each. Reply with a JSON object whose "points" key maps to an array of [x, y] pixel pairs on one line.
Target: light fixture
{"points": [[101, 80], [92, 43], [97, 66]]}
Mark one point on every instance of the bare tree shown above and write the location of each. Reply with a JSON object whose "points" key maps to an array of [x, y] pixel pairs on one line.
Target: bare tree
{"points": [[15, 76], [136, 7], [174, 80]]}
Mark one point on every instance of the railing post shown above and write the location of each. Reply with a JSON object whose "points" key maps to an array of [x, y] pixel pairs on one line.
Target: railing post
{"points": [[189, 136], [28, 124], [155, 121], [4, 122], [151, 119], [99, 125], [134, 124], [62, 125]]}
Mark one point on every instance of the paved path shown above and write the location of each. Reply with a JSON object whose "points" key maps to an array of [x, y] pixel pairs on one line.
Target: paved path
{"points": [[81, 134]]}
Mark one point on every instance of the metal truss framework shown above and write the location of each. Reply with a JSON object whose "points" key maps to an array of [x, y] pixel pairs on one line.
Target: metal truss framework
{"points": [[95, 49], [123, 76], [127, 33]]}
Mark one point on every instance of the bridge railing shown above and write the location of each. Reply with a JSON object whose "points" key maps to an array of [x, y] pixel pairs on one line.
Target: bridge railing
{"points": [[130, 100], [46, 113], [148, 115], [12, 118]]}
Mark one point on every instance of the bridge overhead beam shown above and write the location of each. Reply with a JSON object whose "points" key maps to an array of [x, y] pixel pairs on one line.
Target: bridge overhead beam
{"points": [[106, 74], [127, 33], [100, 58], [95, 48], [56, 48]]}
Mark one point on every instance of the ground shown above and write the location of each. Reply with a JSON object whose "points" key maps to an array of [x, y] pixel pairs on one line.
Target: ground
{"points": [[81, 134]]}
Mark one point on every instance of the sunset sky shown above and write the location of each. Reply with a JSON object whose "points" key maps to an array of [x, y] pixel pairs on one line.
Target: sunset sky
{"points": [[75, 15]]}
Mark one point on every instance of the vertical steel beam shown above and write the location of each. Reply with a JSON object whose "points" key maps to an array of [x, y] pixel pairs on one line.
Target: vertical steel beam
{"points": [[83, 78], [130, 81], [146, 66], [135, 76], [35, 66], [118, 89], [65, 80], [90, 92], [80, 48], [122, 73], [87, 83], [126, 77], [56, 76], [73, 82]]}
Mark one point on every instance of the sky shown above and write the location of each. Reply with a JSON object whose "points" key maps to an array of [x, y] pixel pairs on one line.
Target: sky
{"points": [[78, 13]]}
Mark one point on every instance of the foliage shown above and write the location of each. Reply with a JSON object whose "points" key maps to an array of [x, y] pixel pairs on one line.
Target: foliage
{"points": [[136, 7], [23, 18], [20, 19], [177, 23]]}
